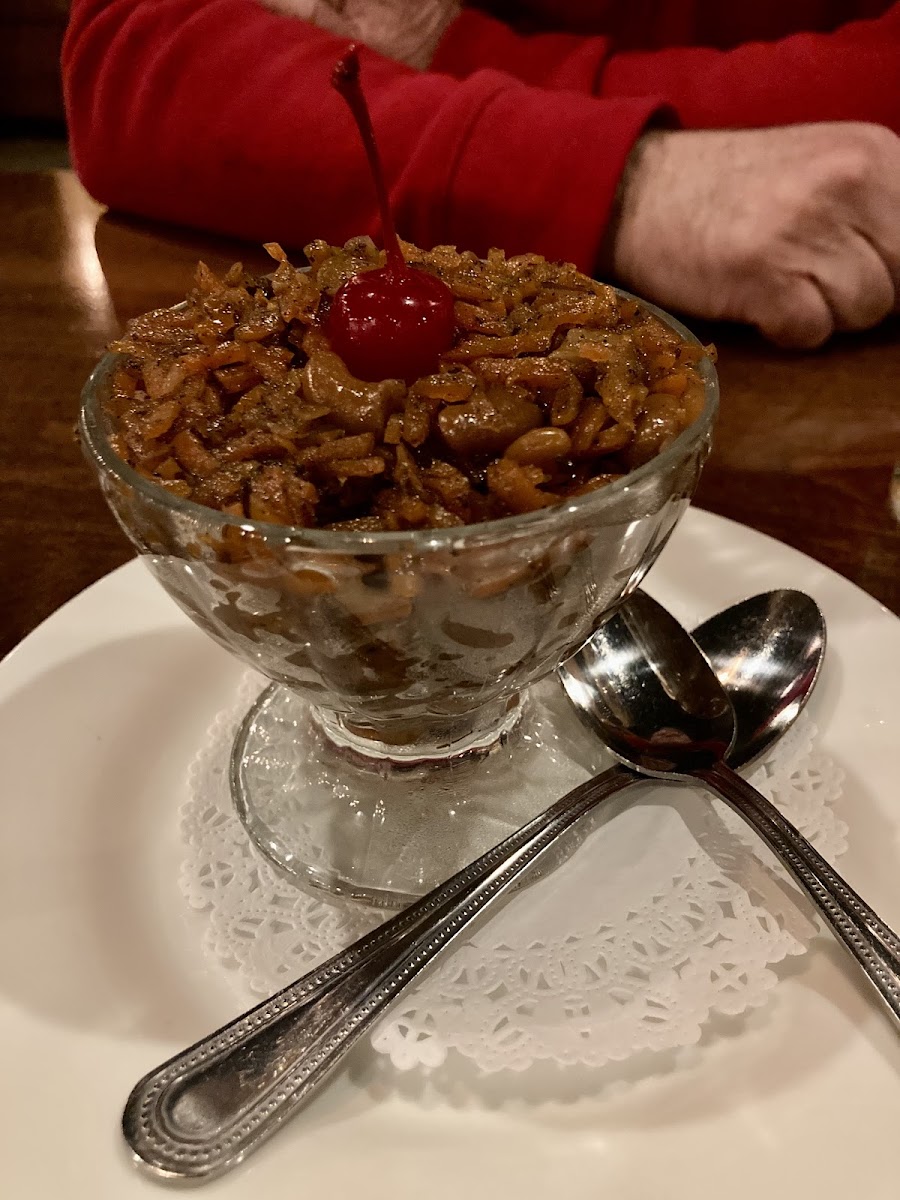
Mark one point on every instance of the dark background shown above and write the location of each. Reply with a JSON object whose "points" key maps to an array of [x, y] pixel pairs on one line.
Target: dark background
{"points": [[32, 121]]}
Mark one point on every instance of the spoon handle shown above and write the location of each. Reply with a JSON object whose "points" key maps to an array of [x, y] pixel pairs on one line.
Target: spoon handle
{"points": [[874, 945], [204, 1110]]}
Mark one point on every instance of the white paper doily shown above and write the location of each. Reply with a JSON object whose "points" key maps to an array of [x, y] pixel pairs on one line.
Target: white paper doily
{"points": [[664, 915]]}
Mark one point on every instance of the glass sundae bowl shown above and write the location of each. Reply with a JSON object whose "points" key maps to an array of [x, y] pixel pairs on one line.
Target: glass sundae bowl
{"points": [[386, 751]]}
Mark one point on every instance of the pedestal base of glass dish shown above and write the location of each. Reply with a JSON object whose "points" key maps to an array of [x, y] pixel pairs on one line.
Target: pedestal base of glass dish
{"points": [[383, 831]]}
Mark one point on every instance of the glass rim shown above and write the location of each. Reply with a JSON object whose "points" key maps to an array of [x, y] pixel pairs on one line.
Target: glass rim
{"points": [[94, 438]]}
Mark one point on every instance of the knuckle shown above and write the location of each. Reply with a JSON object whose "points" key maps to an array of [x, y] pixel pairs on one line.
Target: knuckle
{"points": [[878, 137], [853, 166], [862, 153]]}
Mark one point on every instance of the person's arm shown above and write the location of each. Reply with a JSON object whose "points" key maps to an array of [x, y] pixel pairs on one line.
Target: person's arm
{"points": [[219, 114], [849, 74], [791, 227]]}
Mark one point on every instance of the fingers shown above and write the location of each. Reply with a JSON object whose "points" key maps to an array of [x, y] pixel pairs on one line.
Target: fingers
{"points": [[857, 284], [848, 288], [796, 315], [874, 204]]}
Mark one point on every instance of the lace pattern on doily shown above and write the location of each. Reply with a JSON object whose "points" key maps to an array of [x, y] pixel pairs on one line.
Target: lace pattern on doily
{"points": [[668, 913]]}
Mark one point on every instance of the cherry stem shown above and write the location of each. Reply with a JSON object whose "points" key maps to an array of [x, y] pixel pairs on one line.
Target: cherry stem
{"points": [[345, 80]]}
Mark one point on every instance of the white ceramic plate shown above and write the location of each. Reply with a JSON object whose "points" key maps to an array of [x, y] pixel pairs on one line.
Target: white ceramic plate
{"points": [[101, 975]]}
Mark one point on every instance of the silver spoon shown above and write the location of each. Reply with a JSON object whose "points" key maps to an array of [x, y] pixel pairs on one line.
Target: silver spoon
{"points": [[200, 1113], [644, 687]]}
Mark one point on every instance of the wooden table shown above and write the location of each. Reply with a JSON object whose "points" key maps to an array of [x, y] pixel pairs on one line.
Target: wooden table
{"points": [[804, 449]]}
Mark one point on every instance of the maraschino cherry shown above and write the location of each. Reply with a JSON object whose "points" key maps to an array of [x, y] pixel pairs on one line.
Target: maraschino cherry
{"points": [[393, 322]]}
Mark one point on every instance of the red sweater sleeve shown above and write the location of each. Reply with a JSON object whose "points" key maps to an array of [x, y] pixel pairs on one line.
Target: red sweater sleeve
{"points": [[850, 74], [219, 114]]}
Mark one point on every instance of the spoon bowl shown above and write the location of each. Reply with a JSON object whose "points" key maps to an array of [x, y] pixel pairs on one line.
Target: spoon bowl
{"points": [[640, 680], [781, 638]]}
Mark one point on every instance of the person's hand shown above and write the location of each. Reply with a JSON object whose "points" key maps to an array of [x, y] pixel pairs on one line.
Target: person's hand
{"points": [[408, 33], [794, 230]]}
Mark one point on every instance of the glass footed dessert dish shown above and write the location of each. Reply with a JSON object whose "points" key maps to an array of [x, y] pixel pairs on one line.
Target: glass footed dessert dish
{"points": [[400, 660], [404, 486]]}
